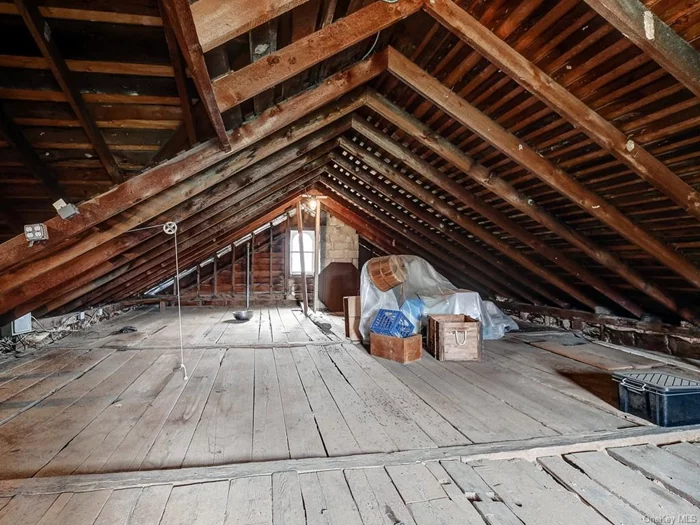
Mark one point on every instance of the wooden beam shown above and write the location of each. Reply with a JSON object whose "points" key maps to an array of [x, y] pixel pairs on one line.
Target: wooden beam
{"points": [[300, 230], [456, 190], [37, 168], [317, 251], [179, 14], [41, 32], [237, 86], [218, 21], [304, 20], [159, 178], [470, 226], [263, 42], [90, 66], [513, 147], [654, 37], [563, 102], [89, 15], [499, 186], [178, 66]]}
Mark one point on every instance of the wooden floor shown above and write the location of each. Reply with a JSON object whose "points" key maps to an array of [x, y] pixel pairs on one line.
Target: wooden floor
{"points": [[276, 389]]}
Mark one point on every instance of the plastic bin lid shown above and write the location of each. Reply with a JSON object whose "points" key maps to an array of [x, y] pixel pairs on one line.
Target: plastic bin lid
{"points": [[659, 381]]}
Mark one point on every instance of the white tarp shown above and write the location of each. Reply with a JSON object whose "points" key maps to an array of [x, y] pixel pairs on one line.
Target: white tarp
{"points": [[425, 292]]}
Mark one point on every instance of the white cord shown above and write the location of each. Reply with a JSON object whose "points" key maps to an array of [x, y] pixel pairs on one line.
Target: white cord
{"points": [[179, 308], [372, 48]]}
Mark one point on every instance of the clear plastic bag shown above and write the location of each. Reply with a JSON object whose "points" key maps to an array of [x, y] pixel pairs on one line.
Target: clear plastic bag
{"points": [[426, 292]]}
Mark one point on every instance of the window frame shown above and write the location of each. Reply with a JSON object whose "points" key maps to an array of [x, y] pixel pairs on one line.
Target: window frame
{"points": [[292, 253]]}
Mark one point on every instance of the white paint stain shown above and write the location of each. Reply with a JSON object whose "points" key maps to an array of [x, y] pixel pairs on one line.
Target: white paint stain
{"points": [[649, 25], [630, 145]]}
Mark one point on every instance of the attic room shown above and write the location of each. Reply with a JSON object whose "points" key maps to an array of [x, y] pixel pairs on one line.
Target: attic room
{"points": [[349, 262]]}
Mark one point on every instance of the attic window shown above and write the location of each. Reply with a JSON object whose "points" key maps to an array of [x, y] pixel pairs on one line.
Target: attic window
{"points": [[295, 252]]}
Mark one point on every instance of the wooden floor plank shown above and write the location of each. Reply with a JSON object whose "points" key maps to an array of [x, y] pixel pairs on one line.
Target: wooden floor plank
{"points": [[415, 483], [265, 336], [107, 430], [368, 432], [427, 418], [250, 501], [26, 510], [118, 507], [389, 499], [295, 332], [341, 505], [130, 453], [36, 450], [688, 451], [534, 496], [335, 432], [181, 506], [287, 504], [242, 332], [224, 433], [492, 414], [39, 391], [312, 331], [269, 432], [82, 508], [402, 430], [613, 508], [599, 356], [212, 336], [677, 474], [367, 504], [438, 512], [174, 438], [302, 432], [644, 495], [279, 333], [150, 505], [315, 505], [455, 493]]}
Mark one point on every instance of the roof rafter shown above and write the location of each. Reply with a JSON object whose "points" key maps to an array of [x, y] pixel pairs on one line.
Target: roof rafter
{"points": [[563, 102], [41, 32]]}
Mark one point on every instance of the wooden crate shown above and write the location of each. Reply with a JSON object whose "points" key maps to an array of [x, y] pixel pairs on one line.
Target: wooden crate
{"points": [[401, 350], [454, 338]]}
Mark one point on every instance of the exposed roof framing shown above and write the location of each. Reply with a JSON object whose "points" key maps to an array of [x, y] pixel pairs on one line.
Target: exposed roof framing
{"points": [[533, 153]]}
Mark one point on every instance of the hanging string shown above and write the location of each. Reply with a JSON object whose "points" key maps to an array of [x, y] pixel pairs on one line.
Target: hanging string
{"points": [[179, 307]]}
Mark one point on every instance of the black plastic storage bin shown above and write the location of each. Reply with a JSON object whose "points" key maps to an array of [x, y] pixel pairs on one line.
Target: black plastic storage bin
{"points": [[663, 399]]}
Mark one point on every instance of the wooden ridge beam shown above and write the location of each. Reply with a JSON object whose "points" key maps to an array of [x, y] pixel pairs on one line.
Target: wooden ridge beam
{"points": [[238, 86], [492, 272], [179, 14], [637, 23], [499, 186], [537, 82], [168, 174], [41, 32], [374, 231], [523, 154], [34, 164], [444, 209]]}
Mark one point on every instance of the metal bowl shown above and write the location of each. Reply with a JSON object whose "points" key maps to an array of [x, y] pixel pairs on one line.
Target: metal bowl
{"points": [[243, 315]]}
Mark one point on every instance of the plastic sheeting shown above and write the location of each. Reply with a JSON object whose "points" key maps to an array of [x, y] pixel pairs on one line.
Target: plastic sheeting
{"points": [[427, 292]]}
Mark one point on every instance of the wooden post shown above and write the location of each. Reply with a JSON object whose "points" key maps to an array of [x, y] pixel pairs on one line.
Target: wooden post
{"points": [[199, 280], [233, 270], [251, 278], [300, 229], [272, 242], [215, 276], [287, 234], [317, 252]]}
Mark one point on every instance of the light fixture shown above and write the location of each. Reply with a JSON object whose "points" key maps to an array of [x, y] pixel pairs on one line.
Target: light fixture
{"points": [[313, 203], [65, 210], [35, 233]]}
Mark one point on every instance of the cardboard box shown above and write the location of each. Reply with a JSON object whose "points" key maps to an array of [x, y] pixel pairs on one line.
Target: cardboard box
{"points": [[353, 312], [454, 338], [401, 350]]}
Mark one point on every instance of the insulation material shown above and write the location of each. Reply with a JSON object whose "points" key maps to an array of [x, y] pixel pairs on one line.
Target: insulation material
{"points": [[426, 292]]}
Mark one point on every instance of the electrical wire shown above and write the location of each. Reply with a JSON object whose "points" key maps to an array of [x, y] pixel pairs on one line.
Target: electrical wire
{"points": [[376, 39], [179, 307]]}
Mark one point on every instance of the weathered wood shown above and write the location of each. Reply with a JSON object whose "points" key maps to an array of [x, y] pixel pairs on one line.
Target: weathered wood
{"points": [[154, 181], [179, 13], [596, 127], [637, 23], [263, 42], [43, 173], [508, 192], [317, 251], [235, 87], [300, 230], [555, 177], [41, 33], [218, 21]]}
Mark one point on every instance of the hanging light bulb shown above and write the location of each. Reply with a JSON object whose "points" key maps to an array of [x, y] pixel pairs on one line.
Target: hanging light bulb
{"points": [[313, 203]]}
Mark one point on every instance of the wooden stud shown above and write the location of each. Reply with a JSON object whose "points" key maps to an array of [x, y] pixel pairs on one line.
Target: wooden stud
{"points": [[263, 42], [41, 32], [317, 251], [300, 229]]}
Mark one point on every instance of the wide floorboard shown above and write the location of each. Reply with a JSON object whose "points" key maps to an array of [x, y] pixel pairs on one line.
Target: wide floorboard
{"points": [[111, 402]]}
